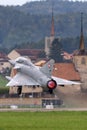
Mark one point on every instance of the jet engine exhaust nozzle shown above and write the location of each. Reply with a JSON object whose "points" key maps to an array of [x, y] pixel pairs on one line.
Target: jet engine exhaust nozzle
{"points": [[52, 84]]}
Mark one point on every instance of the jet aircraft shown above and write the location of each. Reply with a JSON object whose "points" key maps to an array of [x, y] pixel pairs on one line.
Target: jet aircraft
{"points": [[30, 75]]}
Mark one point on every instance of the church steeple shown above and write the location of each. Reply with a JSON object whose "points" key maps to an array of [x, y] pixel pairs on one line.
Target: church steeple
{"points": [[52, 24], [82, 46]]}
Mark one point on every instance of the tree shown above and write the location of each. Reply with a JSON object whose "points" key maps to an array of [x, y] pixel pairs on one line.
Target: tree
{"points": [[55, 51], [42, 54]]}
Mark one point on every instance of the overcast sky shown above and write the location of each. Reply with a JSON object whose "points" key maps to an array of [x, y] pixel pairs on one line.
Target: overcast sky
{"points": [[14, 2], [19, 2]]}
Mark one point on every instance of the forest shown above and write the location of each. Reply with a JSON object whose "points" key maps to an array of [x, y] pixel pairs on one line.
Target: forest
{"points": [[28, 25]]}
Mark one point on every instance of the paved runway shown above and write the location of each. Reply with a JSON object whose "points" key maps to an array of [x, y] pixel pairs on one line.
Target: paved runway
{"points": [[42, 109]]}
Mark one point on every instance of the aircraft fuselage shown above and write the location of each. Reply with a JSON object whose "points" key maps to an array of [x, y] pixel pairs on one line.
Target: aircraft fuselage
{"points": [[35, 73]]}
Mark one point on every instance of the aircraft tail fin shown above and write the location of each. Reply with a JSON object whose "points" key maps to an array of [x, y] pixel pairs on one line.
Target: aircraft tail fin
{"points": [[48, 68]]}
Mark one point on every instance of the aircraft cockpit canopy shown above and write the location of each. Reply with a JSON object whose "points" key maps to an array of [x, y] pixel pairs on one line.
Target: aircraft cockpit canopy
{"points": [[22, 60]]}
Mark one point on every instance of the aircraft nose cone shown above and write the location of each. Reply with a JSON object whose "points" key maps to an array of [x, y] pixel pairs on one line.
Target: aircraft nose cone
{"points": [[12, 62]]}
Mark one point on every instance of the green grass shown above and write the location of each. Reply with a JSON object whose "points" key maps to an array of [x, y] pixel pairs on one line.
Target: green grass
{"points": [[43, 120], [3, 88], [3, 81]]}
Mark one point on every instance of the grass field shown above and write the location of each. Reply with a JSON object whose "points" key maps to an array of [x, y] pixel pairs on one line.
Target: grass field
{"points": [[3, 81], [3, 88], [61, 120]]}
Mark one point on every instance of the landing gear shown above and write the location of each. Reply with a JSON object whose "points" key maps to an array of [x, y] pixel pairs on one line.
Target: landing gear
{"points": [[51, 91], [19, 90]]}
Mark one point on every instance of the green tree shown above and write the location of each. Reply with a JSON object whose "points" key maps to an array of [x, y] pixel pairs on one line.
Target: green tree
{"points": [[42, 54], [55, 51]]}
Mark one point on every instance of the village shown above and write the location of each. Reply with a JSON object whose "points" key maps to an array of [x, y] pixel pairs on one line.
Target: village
{"points": [[75, 70], [43, 64]]}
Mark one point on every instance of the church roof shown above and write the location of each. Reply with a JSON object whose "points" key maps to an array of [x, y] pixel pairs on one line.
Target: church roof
{"points": [[66, 71], [82, 50], [82, 45], [52, 25]]}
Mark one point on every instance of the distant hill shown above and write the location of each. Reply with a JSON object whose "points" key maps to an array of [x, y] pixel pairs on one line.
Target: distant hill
{"points": [[60, 7], [30, 23]]}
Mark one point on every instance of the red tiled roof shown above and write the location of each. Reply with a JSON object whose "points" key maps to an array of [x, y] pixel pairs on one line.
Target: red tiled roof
{"points": [[66, 71], [3, 57], [28, 51]]}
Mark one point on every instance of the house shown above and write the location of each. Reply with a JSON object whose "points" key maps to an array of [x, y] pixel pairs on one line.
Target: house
{"points": [[33, 54], [3, 62]]}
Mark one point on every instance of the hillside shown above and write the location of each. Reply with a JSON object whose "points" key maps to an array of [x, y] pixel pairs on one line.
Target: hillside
{"points": [[30, 23], [60, 7]]}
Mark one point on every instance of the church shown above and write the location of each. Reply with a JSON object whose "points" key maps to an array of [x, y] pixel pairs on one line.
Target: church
{"points": [[77, 69]]}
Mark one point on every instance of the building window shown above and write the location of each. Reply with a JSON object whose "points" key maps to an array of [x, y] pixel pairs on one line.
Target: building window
{"points": [[1, 63], [83, 61]]}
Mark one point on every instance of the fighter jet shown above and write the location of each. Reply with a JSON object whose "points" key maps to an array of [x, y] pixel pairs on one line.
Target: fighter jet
{"points": [[30, 75]]}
